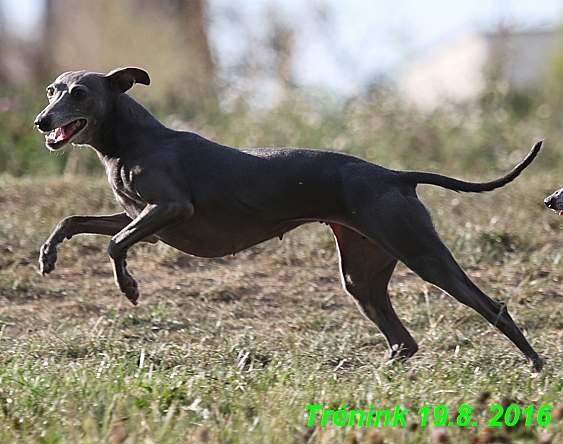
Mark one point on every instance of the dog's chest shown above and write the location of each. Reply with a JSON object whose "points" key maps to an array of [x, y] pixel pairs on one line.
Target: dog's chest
{"points": [[121, 183]]}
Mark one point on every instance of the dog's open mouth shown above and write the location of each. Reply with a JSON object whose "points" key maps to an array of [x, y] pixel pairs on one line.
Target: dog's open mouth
{"points": [[60, 136]]}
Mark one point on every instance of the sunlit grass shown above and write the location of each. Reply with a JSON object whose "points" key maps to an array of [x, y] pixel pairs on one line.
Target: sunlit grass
{"points": [[232, 350]]}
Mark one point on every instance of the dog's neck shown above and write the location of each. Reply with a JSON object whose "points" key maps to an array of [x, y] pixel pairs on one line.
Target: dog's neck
{"points": [[126, 121]]}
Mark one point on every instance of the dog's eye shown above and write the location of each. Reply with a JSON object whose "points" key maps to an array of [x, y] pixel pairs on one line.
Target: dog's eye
{"points": [[50, 92], [78, 94]]}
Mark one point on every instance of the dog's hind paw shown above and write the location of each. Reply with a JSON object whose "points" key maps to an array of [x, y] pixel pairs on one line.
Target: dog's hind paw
{"points": [[538, 363]]}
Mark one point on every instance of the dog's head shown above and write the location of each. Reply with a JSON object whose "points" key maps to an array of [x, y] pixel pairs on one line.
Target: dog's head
{"points": [[78, 100], [555, 201]]}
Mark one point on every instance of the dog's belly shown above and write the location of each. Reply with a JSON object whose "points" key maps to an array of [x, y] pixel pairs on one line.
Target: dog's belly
{"points": [[212, 241]]}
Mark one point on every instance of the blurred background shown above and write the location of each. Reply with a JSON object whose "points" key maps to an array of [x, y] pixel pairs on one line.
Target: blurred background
{"points": [[454, 86]]}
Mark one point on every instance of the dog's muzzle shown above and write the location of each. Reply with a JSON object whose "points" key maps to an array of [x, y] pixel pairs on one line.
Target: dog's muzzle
{"points": [[555, 202], [43, 123]]}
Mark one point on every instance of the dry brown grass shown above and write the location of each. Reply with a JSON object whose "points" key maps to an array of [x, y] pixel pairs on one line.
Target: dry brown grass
{"points": [[232, 349]]}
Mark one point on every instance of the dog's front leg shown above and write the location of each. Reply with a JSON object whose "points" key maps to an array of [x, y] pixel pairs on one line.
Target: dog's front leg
{"points": [[152, 219], [73, 225]]}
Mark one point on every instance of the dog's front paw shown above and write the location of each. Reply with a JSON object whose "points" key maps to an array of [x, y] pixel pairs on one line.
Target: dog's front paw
{"points": [[128, 286], [132, 292], [47, 258]]}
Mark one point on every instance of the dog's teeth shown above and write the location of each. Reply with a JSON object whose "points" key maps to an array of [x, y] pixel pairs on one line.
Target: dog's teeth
{"points": [[51, 137], [55, 136]]}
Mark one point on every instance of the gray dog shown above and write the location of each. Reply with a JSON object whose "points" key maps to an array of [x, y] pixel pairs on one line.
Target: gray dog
{"points": [[555, 201], [210, 200]]}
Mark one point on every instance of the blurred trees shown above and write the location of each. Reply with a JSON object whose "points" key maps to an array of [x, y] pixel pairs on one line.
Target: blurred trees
{"points": [[168, 38], [256, 101]]}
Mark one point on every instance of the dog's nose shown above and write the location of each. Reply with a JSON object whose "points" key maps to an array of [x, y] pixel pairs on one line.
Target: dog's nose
{"points": [[548, 201], [43, 123]]}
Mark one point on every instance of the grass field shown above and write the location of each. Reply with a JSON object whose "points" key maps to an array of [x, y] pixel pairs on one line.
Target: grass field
{"points": [[232, 350]]}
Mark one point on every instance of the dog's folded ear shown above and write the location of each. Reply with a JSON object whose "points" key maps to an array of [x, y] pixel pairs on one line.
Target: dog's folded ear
{"points": [[123, 79]]}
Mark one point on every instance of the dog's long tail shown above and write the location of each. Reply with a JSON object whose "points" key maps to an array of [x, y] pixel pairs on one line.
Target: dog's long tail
{"points": [[416, 177]]}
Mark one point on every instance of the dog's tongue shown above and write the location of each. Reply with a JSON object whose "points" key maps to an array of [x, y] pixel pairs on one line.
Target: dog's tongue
{"points": [[561, 213], [67, 131], [62, 133]]}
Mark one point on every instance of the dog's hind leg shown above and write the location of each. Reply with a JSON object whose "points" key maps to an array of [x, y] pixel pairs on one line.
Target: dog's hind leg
{"points": [[406, 232], [366, 270]]}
